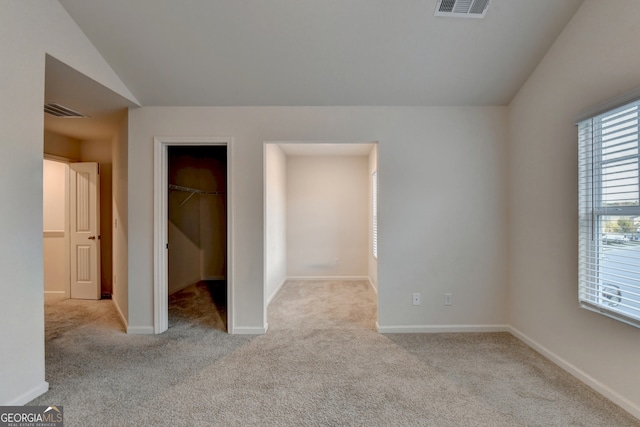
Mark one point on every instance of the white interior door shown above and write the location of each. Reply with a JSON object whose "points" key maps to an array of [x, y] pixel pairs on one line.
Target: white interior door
{"points": [[84, 221]]}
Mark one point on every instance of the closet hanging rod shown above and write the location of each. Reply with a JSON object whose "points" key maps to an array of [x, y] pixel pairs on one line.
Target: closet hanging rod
{"points": [[194, 190]]}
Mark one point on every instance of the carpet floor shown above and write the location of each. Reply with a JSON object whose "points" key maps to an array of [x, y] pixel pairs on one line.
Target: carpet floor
{"points": [[320, 364]]}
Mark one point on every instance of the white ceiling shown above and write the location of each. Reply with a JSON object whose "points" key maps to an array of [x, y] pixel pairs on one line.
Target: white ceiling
{"points": [[319, 52]]}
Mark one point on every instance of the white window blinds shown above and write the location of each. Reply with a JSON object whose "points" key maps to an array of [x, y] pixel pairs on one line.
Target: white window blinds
{"points": [[609, 213]]}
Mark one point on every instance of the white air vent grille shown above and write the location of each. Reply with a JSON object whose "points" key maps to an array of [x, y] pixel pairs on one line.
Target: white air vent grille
{"points": [[462, 8], [61, 111]]}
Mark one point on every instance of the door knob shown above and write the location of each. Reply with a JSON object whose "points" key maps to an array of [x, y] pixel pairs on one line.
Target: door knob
{"points": [[92, 237]]}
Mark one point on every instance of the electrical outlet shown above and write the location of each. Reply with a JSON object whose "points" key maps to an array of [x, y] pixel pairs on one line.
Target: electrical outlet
{"points": [[448, 300], [416, 298]]}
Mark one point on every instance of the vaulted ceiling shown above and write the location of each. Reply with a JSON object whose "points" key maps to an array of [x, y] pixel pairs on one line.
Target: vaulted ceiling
{"points": [[319, 52]]}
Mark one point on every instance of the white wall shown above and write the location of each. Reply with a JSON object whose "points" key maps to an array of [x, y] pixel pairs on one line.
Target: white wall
{"points": [[275, 220], [327, 213], [120, 216], [34, 28], [61, 146], [54, 193], [56, 251], [373, 262], [442, 212], [184, 224], [594, 59], [213, 223]]}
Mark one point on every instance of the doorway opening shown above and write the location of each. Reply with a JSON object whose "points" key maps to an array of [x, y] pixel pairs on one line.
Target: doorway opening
{"points": [[320, 227], [197, 234], [98, 136], [192, 241]]}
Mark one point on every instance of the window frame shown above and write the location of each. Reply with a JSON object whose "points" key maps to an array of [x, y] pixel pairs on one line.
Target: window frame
{"points": [[595, 293]]}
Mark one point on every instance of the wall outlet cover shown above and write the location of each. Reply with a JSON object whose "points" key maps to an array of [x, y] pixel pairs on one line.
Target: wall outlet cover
{"points": [[416, 298]]}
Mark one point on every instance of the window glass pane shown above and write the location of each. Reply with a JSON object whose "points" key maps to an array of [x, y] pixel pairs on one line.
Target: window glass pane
{"points": [[609, 214], [618, 264]]}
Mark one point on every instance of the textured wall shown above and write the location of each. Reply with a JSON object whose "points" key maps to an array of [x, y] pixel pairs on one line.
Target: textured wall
{"points": [[442, 203], [327, 216], [275, 219], [594, 59], [35, 28]]}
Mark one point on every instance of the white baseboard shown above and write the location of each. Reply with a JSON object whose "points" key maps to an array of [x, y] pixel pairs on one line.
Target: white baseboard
{"points": [[345, 278], [249, 330], [29, 395], [375, 290], [131, 330], [610, 394], [140, 330], [273, 295], [124, 319], [436, 329]]}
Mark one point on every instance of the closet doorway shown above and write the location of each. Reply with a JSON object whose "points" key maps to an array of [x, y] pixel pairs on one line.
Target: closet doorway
{"points": [[197, 233], [192, 219]]}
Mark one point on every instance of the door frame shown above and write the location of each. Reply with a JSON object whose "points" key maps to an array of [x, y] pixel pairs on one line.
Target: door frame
{"points": [[161, 225]]}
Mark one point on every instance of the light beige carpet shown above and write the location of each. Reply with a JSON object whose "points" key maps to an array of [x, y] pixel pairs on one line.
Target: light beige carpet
{"points": [[320, 364]]}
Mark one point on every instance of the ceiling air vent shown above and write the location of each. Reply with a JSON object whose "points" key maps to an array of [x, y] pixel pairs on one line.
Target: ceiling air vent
{"points": [[462, 8], [61, 111]]}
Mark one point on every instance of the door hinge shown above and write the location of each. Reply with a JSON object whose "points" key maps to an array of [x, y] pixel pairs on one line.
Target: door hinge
{"points": [[167, 246]]}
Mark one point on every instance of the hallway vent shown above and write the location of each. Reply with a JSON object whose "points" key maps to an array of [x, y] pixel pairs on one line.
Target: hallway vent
{"points": [[61, 111], [462, 8]]}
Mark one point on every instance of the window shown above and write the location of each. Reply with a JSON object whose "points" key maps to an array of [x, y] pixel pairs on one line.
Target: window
{"points": [[609, 213], [374, 210]]}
